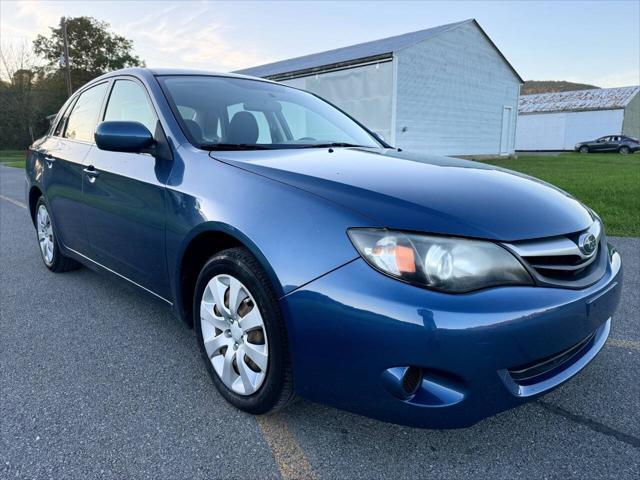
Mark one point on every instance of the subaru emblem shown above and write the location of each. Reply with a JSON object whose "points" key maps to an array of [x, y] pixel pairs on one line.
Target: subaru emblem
{"points": [[587, 243]]}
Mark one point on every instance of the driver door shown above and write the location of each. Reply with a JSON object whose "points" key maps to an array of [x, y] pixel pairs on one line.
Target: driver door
{"points": [[601, 144], [124, 198]]}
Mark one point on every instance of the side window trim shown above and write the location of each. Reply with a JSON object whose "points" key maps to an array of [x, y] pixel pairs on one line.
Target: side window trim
{"points": [[63, 118], [159, 134]]}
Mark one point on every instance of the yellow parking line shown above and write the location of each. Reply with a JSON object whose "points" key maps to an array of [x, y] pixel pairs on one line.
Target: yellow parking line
{"points": [[616, 342], [15, 202], [290, 458]]}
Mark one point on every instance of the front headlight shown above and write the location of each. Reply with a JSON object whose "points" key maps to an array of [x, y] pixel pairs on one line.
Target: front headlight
{"points": [[447, 264]]}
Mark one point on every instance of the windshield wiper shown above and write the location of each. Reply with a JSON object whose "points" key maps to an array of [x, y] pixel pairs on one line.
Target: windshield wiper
{"points": [[233, 146], [332, 144]]}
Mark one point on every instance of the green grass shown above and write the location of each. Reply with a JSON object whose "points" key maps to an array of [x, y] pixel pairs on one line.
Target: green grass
{"points": [[608, 183], [12, 158]]}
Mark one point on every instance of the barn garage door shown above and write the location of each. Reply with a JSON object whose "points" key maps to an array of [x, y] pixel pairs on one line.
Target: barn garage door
{"points": [[541, 132], [365, 93]]}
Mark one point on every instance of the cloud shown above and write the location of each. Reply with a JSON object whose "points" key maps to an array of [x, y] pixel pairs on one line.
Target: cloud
{"points": [[619, 79], [42, 15], [193, 40], [24, 20], [180, 34]]}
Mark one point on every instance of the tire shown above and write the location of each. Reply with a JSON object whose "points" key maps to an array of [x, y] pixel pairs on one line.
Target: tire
{"points": [[50, 252], [584, 149], [256, 389], [624, 150]]}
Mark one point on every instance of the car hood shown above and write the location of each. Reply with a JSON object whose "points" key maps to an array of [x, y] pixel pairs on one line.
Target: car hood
{"points": [[409, 191]]}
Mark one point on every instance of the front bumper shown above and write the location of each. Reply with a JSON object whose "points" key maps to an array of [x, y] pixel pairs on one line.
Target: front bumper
{"points": [[351, 327]]}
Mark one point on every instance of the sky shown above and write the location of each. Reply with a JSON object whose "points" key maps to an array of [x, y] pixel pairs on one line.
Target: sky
{"points": [[594, 42]]}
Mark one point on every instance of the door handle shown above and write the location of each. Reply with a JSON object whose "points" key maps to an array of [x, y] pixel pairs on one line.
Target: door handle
{"points": [[91, 173]]}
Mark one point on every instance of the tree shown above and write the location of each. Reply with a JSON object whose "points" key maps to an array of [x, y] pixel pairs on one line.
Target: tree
{"points": [[17, 109], [93, 50], [31, 91], [16, 57]]}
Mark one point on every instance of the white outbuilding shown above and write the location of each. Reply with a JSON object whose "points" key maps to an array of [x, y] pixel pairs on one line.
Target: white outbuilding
{"points": [[557, 121], [445, 90]]}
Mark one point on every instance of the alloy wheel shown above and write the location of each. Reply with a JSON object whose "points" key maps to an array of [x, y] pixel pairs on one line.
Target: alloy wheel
{"points": [[45, 234], [234, 334], [624, 150]]}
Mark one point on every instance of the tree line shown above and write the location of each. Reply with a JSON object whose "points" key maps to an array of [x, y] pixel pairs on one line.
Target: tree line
{"points": [[32, 81]]}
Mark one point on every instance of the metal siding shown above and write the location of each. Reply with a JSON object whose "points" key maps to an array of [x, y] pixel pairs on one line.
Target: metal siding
{"points": [[631, 122], [347, 54], [451, 92], [562, 130]]}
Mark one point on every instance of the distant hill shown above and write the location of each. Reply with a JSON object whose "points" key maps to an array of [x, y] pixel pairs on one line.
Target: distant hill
{"points": [[549, 86]]}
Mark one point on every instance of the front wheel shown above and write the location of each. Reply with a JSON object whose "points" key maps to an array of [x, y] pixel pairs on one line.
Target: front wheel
{"points": [[49, 249], [584, 149], [241, 333], [624, 150]]}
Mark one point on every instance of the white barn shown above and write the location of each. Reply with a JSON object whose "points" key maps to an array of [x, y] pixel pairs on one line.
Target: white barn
{"points": [[557, 121], [445, 90]]}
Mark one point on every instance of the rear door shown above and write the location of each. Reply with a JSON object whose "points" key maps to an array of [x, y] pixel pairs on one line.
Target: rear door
{"points": [[64, 153], [614, 144], [124, 197]]}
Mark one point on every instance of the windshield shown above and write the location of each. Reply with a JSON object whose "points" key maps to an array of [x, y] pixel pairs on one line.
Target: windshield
{"points": [[226, 113]]}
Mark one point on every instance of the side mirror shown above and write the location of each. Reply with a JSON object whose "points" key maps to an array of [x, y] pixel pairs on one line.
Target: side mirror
{"points": [[119, 136]]}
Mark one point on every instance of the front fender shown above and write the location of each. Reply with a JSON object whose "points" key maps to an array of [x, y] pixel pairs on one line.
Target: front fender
{"points": [[240, 237], [295, 235]]}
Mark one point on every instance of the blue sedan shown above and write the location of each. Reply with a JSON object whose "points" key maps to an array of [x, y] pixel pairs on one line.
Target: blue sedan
{"points": [[314, 259]]}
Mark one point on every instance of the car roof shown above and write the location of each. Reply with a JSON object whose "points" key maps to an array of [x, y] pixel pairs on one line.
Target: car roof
{"points": [[141, 72]]}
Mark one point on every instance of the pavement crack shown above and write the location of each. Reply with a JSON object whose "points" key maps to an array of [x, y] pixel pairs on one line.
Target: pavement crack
{"points": [[592, 424]]}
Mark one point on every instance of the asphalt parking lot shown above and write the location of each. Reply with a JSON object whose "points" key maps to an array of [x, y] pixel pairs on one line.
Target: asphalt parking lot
{"points": [[98, 380]]}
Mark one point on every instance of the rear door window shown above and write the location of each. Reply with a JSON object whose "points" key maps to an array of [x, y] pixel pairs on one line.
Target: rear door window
{"points": [[59, 129], [84, 116]]}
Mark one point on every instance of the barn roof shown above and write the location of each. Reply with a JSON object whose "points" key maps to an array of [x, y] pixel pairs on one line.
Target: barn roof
{"points": [[354, 54], [579, 100]]}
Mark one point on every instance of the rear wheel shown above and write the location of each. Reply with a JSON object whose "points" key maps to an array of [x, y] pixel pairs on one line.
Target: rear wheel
{"points": [[624, 150], [241, 333], [48, 243], [584, 149]]}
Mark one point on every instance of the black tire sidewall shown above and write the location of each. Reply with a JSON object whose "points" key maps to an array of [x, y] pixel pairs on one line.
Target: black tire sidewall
{"points": [[239, 263]]}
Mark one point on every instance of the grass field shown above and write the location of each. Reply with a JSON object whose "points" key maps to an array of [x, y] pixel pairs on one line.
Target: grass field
{"points": [[12, 158], [609, 183]]}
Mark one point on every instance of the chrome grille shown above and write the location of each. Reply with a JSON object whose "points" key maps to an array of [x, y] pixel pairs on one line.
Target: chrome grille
{"points": [[559, 261]]}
